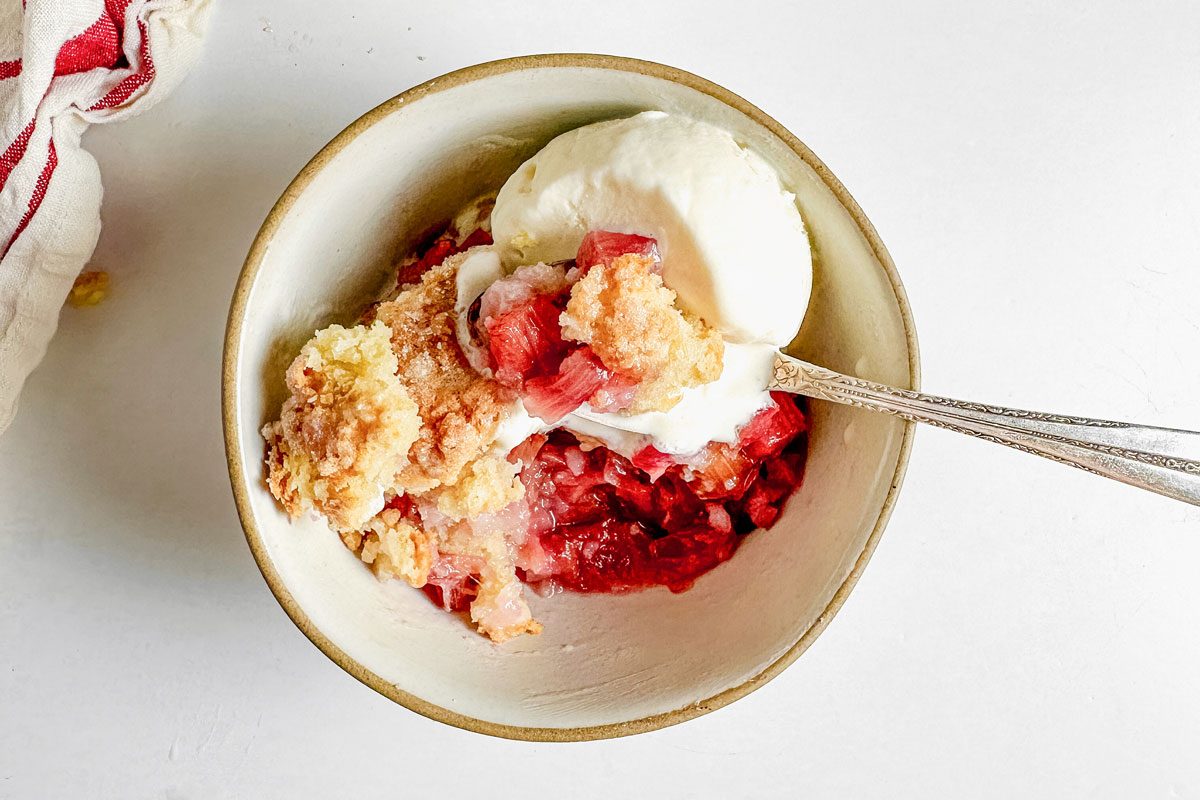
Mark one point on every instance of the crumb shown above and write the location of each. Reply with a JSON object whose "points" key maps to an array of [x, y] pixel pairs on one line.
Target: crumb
{"points": [[394, 548], [345, 431], [460, 409], [90, 289], [630, 319]]}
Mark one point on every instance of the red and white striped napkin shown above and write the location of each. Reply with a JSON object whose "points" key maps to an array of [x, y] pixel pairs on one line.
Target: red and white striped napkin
{"points": [[64, 65]]}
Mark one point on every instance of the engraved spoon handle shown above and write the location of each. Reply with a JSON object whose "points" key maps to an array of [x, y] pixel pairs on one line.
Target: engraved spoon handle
{"points": [[1162, 460]]}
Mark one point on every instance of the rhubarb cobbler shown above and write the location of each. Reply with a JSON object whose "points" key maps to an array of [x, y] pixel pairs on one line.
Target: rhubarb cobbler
{"points": [[577, 405]]}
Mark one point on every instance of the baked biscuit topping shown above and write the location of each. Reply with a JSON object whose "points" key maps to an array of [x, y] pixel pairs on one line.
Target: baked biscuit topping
{"points": [[669, 351], [345, 431], [460, 409]]}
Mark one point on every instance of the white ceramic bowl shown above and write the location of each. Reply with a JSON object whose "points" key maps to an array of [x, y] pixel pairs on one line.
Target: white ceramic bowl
{"points": [[605, 665]]}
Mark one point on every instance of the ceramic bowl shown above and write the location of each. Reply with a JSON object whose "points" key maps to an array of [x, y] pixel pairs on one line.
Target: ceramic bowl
{"points": [[606, 665]]}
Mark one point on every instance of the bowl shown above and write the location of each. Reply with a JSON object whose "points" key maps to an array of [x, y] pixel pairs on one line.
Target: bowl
{"points": [[606, 665]]}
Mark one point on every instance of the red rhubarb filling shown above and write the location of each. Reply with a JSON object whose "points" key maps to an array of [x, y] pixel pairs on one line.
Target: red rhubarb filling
{"points": [[600, 522]]}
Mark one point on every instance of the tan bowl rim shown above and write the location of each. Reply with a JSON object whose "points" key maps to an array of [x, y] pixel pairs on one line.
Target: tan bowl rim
{"points": [[229, 396]]}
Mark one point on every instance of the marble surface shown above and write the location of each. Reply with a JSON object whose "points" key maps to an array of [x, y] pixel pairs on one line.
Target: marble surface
{"points": [[1023, 629]]}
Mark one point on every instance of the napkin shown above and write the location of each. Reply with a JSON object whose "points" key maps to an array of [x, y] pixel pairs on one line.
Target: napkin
{"points": [[65, 65]]}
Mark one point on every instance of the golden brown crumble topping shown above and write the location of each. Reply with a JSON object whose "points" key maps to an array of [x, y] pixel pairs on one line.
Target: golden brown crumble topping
{"points": [[460, 409], [346, 429], [485, 486], [396, 407], [630, 319], [394, 548]]}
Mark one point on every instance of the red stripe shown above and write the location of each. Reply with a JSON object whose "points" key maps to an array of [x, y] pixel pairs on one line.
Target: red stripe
{"points": [[39, 193], [116, 8], [131, 83], [15, 152], [97, 46]]}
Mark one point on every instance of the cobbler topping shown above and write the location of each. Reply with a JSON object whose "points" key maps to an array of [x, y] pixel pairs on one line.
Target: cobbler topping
{"points": [[345, 431], [607, 332], [476, 566], [395, 547], [460, 409], [90, 289], [670, 349], [486, 486]]}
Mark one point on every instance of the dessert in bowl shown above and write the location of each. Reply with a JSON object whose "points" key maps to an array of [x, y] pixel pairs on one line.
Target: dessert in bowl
{"points": [[590, 444], [592, 416]]}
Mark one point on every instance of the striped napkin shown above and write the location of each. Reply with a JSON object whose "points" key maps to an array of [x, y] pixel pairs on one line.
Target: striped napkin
{"points": [[64, 65]]}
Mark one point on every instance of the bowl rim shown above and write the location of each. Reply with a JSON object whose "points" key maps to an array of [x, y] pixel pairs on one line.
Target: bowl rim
{"points": [[232, 352]]}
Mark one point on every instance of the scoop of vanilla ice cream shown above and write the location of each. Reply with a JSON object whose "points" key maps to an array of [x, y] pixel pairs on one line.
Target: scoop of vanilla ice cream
{"points": [[733, 243]]}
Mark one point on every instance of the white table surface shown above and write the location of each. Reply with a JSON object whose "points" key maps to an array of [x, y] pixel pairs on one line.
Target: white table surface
{"points": [[1023, 629]]}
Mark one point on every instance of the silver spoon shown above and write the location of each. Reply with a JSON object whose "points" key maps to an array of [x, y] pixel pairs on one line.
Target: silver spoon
{"points": [[1162, 460]]}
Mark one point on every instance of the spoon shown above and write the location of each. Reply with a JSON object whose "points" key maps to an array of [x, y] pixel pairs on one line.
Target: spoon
{"points": [[1163, 460]]}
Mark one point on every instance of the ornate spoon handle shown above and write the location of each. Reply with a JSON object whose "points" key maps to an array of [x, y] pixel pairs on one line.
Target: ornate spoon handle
{"points": [[1162, 460]]}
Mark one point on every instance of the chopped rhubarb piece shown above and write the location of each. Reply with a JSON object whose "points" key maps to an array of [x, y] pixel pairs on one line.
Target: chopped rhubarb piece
{"points": [[404, 504], [576, 460], [676, 505], [759, 506], [523, 285], [618, 471], [767, 433], [454, 598], [785, 472], [477, 238], [442, 249], [527, 451], [609, 555], [453, 582], [411, 271], [553, 397], [615, 395], [638, 498], [526, 341], [684, 556], [727, 473], [718, 518], [438, 249], [601, 247], [653, 461]]}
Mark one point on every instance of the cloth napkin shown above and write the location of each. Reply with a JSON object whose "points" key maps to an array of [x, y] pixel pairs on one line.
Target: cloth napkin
{"points": [[64, 65]]}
